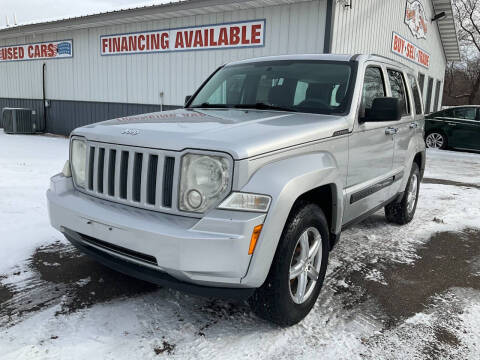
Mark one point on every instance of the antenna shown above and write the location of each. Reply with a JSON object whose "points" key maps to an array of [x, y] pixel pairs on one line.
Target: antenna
{"points": [[14, 19], [6, 20]]}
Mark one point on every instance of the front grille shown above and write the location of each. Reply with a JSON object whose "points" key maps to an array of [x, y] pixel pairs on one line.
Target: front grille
{"points": [[135, 176]]}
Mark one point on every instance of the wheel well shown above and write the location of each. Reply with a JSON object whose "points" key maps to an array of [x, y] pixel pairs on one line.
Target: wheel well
{"points": [[437, 130], [419, 159], [324, 197]]}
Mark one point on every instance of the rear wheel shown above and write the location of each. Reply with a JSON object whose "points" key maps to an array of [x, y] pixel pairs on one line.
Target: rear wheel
{"points": [[402, 212], [436, 140], [298, 269]]}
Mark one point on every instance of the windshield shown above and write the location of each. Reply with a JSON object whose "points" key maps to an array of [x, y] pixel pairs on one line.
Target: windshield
{"points": [[322, 87]]}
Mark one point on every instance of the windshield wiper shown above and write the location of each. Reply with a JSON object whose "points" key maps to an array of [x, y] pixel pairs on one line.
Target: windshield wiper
{"points": [[210, 106], [264, 106]]}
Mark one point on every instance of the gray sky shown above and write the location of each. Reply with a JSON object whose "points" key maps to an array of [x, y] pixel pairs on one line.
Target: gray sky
{"points": [[40, 10]]}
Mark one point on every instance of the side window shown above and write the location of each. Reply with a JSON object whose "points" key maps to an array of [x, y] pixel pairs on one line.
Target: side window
{"points": [[373, 87], [416, 94], [446, 113], [465, 113], [398, 88]]}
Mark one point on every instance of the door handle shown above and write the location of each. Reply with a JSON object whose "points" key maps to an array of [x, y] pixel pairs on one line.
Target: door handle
{"points": [[451, 124], [413, 125], [391, 131]]}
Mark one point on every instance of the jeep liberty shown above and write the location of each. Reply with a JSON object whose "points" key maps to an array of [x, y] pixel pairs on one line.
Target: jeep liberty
{"points": [[244, 191]]}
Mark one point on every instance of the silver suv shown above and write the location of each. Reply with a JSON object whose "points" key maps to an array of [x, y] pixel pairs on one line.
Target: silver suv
{"points": [[244, 191]]}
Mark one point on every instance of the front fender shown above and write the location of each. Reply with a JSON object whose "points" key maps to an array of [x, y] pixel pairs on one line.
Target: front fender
{"points": [[285, 181]]}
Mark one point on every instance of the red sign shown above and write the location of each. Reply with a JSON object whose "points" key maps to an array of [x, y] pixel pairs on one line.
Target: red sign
{"points": [[406, 49], [37, 51], [220, 36], [415, 18]]}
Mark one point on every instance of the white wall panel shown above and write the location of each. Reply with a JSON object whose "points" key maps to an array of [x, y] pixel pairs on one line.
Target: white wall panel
{"points": [[368, 27], [291, 28]]}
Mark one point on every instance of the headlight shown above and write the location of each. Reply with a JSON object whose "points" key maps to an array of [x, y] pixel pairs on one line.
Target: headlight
{"points": [[205, 180], [246, 202], [78, 161]]}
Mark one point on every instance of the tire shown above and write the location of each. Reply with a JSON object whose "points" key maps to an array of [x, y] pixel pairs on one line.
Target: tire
{"points": [[436, 140], [279, 299], [402, 212]]}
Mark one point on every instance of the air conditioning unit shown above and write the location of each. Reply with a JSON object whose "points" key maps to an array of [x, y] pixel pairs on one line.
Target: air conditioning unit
{"points": [[19, 121]]}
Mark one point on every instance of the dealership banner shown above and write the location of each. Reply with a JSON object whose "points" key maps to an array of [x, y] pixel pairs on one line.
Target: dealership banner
{"points": [[37, 51], [219, 36], [406, 49]]}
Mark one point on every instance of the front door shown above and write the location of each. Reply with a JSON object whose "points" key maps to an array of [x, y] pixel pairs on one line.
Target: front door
{"points": [[371, 147]]}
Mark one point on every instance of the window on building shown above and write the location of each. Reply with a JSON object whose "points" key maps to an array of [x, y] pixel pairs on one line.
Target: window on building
{"points": [[373, 87], [399, 89], [429, 96], [416, 94], [467, 113], [421, 82], [436, 105]]}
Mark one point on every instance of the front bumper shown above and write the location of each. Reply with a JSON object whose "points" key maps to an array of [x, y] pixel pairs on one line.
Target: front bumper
{"points": [[212, 251], [152, 275]]}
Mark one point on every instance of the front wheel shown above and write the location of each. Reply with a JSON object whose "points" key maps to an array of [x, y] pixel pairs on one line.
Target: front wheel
{"points": [[402, 212], [298, 269]]}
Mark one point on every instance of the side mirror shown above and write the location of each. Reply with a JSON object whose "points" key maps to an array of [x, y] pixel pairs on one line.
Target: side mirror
{"points": [[187, 99], [385, 109]]}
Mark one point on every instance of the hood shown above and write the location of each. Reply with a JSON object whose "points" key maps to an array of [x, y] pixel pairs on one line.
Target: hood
{"points": [[242, 133]]}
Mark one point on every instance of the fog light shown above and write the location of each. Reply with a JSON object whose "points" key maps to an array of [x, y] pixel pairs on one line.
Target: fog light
{"points": [[194, 199]]}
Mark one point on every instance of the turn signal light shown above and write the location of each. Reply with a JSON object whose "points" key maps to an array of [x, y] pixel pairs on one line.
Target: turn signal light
{"points": [[255, 235]]}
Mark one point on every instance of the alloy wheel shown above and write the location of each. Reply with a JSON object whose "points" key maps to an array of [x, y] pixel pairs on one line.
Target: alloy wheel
{"points": [[305, 265], [412, 193], [435, 141]]}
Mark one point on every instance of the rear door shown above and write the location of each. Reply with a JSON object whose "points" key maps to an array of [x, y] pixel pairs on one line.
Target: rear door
{"points": [[405, 127], [370, 152], [465, 128]]}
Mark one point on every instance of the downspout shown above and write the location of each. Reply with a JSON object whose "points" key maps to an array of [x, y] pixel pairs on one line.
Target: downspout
{"points": [[327, 41], [44, 69]]}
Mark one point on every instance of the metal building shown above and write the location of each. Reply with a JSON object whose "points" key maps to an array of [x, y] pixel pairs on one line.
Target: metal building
{"points": [[86, 69]]}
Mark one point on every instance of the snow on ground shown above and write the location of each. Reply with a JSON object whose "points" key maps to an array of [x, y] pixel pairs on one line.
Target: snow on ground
{"points": [[390, 292], [453, 165], [26, 165]]}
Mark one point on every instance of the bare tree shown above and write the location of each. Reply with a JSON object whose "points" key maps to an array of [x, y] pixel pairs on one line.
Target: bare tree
{"points": [[464, 78]]}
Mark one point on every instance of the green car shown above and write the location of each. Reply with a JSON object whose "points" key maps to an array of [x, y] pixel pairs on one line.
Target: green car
{"points": [[457, 127]]}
